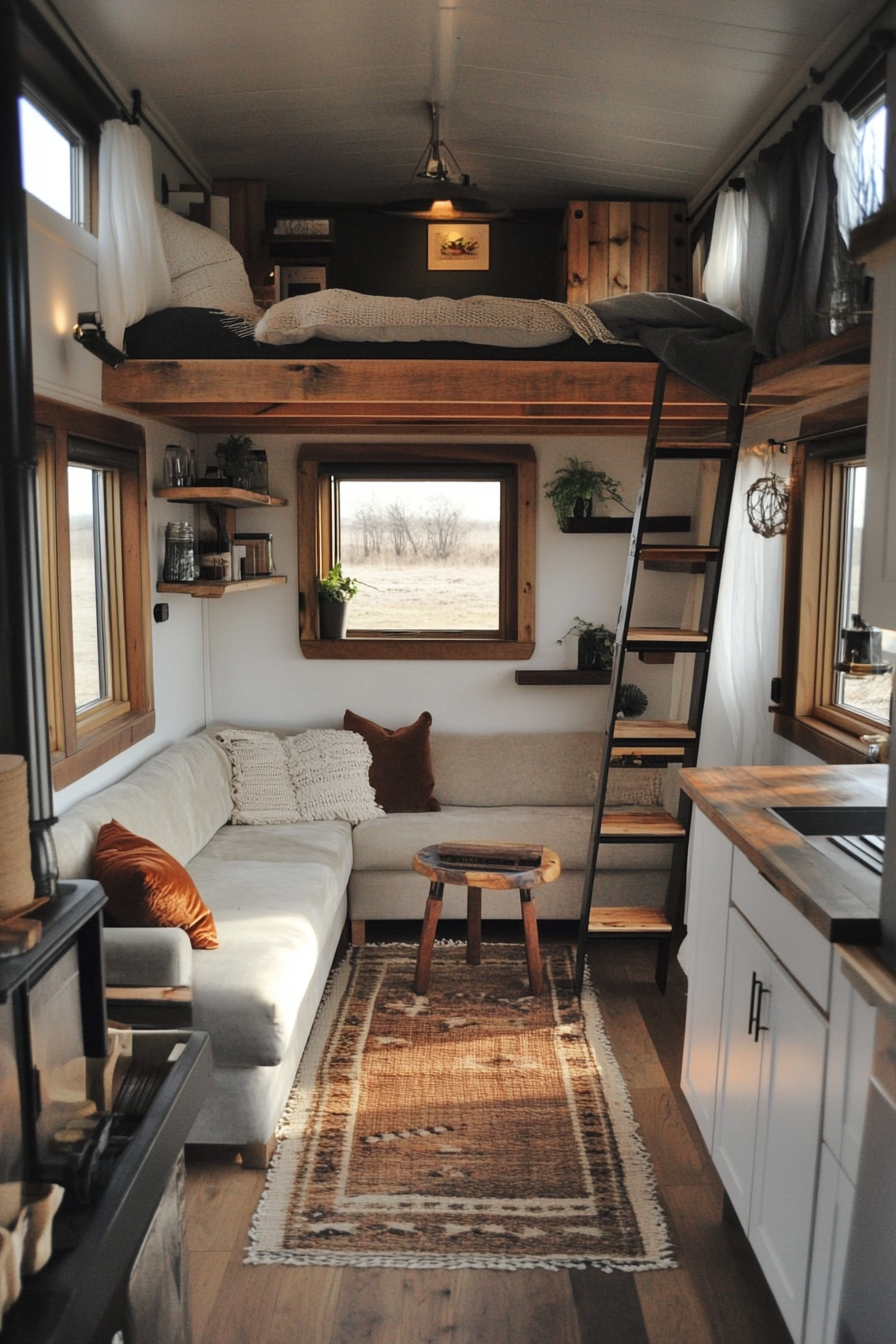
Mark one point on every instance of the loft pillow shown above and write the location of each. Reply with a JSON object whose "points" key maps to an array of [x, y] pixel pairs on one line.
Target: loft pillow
{"points": [[329, 769], [484, 319], [206, 270], [147, 887], [260, 785], [401, 769]]}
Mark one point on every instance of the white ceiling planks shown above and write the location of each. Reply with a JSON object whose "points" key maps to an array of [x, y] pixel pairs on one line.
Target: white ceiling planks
{"points": [[325, 99]]}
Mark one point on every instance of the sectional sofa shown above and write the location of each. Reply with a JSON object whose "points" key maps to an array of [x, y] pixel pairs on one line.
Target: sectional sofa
{"points": [[281, 894]]}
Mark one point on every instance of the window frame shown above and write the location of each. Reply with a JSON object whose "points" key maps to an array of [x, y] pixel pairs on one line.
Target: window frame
{"points": [[80, 741], [806, 714], [81, 161], [516, 638]]}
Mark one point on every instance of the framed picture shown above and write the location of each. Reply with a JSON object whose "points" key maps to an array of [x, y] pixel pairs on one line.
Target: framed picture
{"points": [[290, 281], [320, 230], [458, 247]]}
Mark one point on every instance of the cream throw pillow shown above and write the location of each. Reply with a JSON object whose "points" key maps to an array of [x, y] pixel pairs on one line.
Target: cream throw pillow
{"points": [[260, 785], [329, 771], [206, 270]]}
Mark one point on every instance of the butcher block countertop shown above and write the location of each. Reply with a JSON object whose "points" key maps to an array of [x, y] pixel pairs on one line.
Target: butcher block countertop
{"points": [[842, 905]]}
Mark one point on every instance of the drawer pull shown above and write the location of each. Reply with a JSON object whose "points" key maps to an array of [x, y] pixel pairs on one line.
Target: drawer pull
{"points": [[757, 989]]}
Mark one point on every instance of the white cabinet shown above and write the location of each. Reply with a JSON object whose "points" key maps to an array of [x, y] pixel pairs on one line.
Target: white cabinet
{"points": [[709, 884], [769, 1107], [833, 1215]]}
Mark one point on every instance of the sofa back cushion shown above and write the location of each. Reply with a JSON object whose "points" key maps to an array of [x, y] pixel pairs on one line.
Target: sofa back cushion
{"points": [[178, 799], [516, 769]]}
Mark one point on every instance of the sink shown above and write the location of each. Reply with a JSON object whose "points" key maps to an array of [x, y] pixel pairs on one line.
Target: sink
{"points": [[833, 820], [854, 832]]}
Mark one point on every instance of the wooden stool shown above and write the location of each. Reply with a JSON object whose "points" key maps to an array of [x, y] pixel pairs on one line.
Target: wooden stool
{"points": [[499, 867]]}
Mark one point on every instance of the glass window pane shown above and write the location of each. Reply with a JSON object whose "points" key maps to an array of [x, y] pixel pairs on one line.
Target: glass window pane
{"points": [[873, 140], [46, 159], [427, 553], [869, 693], [86, 528]]}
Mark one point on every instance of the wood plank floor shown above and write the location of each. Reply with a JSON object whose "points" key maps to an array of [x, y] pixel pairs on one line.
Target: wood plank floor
{"points": [[716, 1296]]}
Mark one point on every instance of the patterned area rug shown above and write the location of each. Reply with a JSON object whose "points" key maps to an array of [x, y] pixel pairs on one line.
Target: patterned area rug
{"points": [[475, 1126]]}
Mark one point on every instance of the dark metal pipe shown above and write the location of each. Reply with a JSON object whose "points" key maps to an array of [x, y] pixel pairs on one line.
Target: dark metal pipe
{"points": [[23, 691]]}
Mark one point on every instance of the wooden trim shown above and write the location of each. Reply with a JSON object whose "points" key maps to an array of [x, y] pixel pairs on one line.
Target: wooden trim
{"points": [[82, 742], [317, 549], [820, 739], [562, 677]]}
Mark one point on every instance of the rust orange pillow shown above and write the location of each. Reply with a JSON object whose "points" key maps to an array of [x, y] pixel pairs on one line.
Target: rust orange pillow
{"points": [[147, 887], [401, 769]]}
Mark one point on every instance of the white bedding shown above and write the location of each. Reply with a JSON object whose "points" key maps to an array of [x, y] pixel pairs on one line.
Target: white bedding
{"points": [[343, 315]]}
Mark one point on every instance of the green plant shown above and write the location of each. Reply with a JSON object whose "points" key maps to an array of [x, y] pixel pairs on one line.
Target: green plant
{"points": [[234, 452], [595, 643], [632, 700], [580, 480], [336, 586]]}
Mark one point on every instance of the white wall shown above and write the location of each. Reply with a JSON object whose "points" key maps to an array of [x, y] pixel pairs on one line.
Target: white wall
{"points": [[259, 676], [62, 269]]}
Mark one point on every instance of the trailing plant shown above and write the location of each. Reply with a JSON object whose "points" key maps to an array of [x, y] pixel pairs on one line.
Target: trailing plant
{"points": [[336, 586], [580, 480], [596, 640]]}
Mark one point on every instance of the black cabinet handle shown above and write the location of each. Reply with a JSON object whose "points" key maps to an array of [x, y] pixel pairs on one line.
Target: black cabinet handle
{"points": [[757, 989]]}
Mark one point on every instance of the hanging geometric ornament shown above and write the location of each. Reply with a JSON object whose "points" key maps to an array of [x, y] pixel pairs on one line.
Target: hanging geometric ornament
{"points": [[768, 502]]}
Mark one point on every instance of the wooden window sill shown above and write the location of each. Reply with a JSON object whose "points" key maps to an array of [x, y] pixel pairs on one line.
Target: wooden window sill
{"points": [[471, 650], [832, 745], [99, 746]]}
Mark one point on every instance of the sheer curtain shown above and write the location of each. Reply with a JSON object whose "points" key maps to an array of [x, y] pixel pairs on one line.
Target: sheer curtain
{"points": [[133, 273], [841, 135], [724, 273]]}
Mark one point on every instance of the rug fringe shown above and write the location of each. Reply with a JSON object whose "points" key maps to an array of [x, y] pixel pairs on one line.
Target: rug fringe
{"points": [[337, 1260]]}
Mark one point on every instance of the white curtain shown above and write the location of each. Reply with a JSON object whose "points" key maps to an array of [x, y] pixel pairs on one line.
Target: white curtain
{"points": [[133, 273], [737, 725], [723, 277], [841, 135]]}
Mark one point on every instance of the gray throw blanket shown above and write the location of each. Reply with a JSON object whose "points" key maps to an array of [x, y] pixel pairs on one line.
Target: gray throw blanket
{"points": [[703, 343]]}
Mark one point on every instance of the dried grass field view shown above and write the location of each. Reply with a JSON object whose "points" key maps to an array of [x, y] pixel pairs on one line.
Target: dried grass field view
{"points": [[426, 553]]}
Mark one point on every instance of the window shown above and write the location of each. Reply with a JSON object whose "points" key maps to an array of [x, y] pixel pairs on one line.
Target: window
{"points": [[53, 161], [441, 539], [95, 578], [829, 703]]}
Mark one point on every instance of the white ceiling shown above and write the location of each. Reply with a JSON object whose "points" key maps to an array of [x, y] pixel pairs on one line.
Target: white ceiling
{"points": [[546, 100]]}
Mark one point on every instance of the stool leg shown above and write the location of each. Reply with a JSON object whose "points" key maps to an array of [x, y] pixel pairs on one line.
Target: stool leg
{"points": [[533, 951], [428, 937], [474, 926]]}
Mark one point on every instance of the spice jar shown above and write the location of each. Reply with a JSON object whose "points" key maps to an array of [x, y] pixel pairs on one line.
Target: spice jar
{"points": [[180, 554]]}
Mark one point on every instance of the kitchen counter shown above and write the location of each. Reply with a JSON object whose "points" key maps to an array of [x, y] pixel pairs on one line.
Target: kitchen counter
{"points": [[840, 901]]}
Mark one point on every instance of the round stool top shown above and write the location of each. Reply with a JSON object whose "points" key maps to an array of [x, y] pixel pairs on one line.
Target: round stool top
{"points": [[495, 866]]}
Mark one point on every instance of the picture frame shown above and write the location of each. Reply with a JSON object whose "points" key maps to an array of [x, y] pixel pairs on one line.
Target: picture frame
{"points": [[308, 229], [458, 247], [294, 280]]}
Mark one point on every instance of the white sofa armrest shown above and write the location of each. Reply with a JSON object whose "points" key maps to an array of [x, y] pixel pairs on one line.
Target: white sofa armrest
{"points": [[158, 957]]}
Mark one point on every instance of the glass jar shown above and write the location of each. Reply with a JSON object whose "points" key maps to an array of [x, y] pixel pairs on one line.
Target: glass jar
{"points": [[177, 466], [259, 461], [180, 554]]}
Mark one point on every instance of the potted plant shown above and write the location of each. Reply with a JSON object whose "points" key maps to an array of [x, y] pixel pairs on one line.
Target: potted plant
{"points": [[576, 486], [235, 456], [334, 592], [632, 701], [595, 646]]}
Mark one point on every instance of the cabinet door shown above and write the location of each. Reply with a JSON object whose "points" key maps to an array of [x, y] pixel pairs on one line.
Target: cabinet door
{"points": [[833, 1215], [709, 883], [748, 960], [787, 1142], [850, 1052]]}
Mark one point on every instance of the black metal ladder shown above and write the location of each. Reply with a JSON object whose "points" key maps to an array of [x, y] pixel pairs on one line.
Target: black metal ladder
{"points": [[681, 738]]}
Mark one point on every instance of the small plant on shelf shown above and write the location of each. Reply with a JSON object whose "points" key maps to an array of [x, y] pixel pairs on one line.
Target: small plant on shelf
{"points": [[632, 701], [336, 586], [235, 457], [576, 486], [595, 645]]}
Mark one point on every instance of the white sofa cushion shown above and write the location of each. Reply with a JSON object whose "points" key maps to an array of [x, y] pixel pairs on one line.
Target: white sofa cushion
{"points": [[156, 957], [178, 799], [516, 769]]}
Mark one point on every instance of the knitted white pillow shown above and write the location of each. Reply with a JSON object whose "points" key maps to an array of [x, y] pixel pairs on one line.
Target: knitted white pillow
{"points": [[260, 785], [329, 771], [206, 270]]}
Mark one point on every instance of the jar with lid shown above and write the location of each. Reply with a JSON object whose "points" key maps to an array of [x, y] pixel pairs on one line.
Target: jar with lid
{"points": [[180, 554], [259, 470]]}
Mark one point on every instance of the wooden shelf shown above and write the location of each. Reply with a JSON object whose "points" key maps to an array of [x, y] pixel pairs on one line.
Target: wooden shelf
{"points": [[227, 495], [641, 827], [220, 588], [562, 678], [659, 639], [661, 523], [624, 919], [651, 732]]}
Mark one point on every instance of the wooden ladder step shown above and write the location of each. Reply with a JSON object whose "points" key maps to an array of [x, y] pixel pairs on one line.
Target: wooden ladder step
{"points": [[662, 639], [625, 919], [640, 827], [678, 559], [652, 732]]}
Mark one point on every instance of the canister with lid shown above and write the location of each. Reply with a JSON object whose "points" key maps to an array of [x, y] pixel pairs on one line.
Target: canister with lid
{"points": [[180, 553]]}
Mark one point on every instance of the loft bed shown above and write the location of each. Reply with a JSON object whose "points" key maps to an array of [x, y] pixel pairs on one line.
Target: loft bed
{"points": [[571, 388]]}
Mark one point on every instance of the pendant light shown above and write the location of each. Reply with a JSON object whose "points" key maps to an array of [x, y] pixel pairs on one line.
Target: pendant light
{"points": [[440, 190]]}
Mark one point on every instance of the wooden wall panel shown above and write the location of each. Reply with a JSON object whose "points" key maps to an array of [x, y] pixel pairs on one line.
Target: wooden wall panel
{"points": [[625, 247]]}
